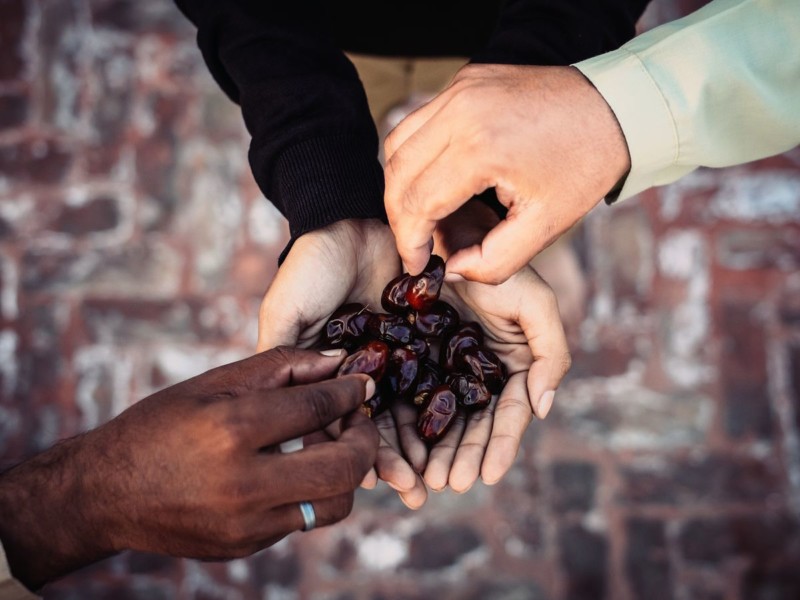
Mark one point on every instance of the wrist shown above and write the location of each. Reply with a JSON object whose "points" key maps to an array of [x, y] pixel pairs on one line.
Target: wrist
{"points": [[55, 519]]}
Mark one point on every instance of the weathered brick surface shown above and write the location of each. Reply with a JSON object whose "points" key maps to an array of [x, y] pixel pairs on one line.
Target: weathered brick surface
{"points": [[135, 248]]}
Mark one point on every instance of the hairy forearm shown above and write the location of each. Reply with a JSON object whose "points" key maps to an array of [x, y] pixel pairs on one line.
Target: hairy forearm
{"points": [[53, 514]]}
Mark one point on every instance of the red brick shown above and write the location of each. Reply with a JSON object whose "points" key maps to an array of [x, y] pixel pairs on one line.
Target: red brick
{"points": [[13, 109], [711, 480], [584, 558], [573, 486], [647, 561], [95, 215], [35, 161], [12, 31], [439, 547]]}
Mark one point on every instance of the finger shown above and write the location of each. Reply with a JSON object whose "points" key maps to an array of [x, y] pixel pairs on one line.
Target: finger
{"points": [[276, 368], [414, 449], [469, 455], [541, 323], [504, 251], [284, 414], [415, 497], [511, 418], [443, 453], [418, 195], [413, 121], [278, 321], [326, 469], [390, 464], [370, 479], [288, 517]]}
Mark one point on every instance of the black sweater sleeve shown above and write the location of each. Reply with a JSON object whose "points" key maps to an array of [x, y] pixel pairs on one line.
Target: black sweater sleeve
{"points": [[314, 148], [559, 32]]}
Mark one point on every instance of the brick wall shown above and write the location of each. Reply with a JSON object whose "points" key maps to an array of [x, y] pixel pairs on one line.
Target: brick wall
{"points": [[135, 248]]}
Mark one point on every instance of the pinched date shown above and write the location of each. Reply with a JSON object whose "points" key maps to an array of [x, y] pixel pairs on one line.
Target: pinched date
{"points": [[424, 290], [393, 298]]}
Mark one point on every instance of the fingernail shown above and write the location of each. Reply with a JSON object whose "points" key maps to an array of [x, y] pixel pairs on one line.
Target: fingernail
{"points": [[370, 389], [453, 278], [545, 403], [332, 352]]}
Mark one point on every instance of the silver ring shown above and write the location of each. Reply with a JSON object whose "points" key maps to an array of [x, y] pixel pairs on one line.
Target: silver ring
{"points": [[309, 516]]}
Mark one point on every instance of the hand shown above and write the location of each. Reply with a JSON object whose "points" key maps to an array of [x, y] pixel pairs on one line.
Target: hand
{"points": [[521, 321], [348, 261], [194, 470], [543, 137]]}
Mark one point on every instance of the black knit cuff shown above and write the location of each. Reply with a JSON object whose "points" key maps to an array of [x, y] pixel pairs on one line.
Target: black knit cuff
{"points": [[321, 180]]}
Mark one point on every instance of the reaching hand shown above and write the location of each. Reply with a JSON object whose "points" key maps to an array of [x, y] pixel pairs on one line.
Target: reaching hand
{"points": [[195, 470], [543, 137], [348, 261], [522, 325]]}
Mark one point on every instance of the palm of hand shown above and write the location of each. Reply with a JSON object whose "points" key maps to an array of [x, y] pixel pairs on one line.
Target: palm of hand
{"points": [[349, 261]]}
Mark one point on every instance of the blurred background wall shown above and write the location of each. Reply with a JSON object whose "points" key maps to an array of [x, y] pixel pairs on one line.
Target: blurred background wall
{"points": [[134, 251]]}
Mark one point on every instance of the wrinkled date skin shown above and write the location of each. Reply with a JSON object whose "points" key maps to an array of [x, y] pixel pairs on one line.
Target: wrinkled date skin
{"points": [[393, 298], [467, 337], [371, 359], [346, 326], [440, 320], [393, 329], [430, 377], [437, 417], [486, 366], [470, 391], [424, 290], [401, 372], [394, 348]]}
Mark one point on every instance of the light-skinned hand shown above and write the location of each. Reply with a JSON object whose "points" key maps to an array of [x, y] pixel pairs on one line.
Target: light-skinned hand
{"points": [[521, 321], [348, 261], [543, 137]]}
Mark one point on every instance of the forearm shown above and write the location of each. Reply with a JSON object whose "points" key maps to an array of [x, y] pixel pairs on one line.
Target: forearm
{"points": [[54, 514], [720, 87], [314, 151]]}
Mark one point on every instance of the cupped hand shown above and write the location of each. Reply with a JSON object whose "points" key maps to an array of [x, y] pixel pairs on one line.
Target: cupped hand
{"points": [[195, 470], [521, 322], [543, 137], [347, 261]]}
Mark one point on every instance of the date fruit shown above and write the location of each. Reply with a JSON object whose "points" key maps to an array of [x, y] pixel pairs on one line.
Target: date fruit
{"points": [[437, 416], [395, 348]]}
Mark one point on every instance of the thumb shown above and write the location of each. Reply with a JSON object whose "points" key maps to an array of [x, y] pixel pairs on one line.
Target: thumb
{"points": [[278, 325]]}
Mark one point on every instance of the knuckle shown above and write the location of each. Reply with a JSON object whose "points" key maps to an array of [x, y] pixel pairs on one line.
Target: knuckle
{"points": [[321, 404]]}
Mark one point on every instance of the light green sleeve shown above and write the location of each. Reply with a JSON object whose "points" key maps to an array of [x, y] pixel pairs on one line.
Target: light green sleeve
{"points": [[10, 588], [717, 88]]}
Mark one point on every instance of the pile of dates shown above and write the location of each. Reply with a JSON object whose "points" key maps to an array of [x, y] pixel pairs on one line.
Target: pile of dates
{"points": [[398, 348]]}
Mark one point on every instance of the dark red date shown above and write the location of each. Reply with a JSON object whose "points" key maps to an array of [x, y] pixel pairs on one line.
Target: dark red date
{"points": [[439, 320], [393, 298], [401, 372], [486, 366], [346, 326], [392, 329], [469, 390], [426, 286], [371, 359], [430, 377], [419, 347], [467, 337], [437, 417]]}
